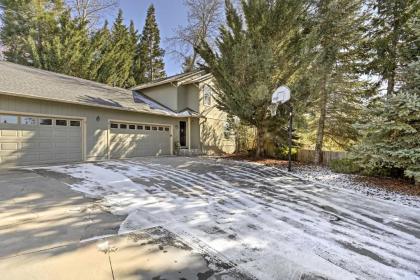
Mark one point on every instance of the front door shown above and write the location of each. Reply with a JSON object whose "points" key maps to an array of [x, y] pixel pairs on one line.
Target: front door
{"points": [[182, 134]]}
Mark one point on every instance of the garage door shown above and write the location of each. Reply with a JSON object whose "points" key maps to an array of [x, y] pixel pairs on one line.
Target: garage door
{"points": [[134, 140], [28, 140]]}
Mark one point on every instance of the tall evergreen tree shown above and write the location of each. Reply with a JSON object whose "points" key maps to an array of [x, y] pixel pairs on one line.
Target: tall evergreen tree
{"points": [[117, 56], [135, 68], [390, 42], [337, 91], [150, 54], [256, 55], [391, 130], [69, 52], [390, 126], [27, 27], [17, 21]]}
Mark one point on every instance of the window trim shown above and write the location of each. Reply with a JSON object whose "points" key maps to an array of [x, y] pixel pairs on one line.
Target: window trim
{"points": [[79, 123], [8, 115], [41, 119], [28, 124], [58, 120]]}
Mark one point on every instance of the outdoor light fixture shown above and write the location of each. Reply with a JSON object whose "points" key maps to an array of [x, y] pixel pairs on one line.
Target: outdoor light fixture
{"points": [[98, 118]]}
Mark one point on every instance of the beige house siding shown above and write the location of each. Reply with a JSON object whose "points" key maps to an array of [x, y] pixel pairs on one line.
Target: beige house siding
{"points": [[96, 131], [188, 97], [164, 94], [212, 126]]}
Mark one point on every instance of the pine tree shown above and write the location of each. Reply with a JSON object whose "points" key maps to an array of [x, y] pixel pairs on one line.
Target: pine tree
{"points": [[134, 37], [149, 52], [390, 42], [255, 56], [337, 92], [27, 28], [117, 56], [391, 130], [390, 126], [17, 21], [68, 52], [99, 46]]}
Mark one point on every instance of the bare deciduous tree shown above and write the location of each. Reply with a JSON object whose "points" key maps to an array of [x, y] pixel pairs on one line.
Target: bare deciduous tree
{"points": [[204, 19], [92, 10]]}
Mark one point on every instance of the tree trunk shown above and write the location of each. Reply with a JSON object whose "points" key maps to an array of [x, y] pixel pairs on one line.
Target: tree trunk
{"points": [[260, 142], [321, 123], [193, 59]]}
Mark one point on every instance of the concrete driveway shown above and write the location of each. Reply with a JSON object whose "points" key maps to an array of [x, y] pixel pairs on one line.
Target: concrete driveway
{"points": [[196, 218]]}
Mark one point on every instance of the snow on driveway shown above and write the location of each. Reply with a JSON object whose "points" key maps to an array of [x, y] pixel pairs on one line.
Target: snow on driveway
{"points": [[269, 223]]}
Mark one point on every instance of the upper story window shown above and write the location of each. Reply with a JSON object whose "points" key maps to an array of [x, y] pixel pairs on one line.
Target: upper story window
{"points": [[207, 95]]}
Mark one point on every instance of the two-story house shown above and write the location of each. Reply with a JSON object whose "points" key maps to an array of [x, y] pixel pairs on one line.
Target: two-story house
{"points": [[47, 117], [192, 95]]}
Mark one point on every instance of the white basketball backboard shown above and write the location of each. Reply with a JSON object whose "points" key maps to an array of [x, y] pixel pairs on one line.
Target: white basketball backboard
{"points": [[281, 95]]}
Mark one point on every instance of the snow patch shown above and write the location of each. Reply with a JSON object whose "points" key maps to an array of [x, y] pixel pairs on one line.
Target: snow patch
{"points": [[273, 225]]}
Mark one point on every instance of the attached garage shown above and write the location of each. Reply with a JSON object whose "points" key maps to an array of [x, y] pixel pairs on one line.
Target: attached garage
{"points": [[49, 118], [28, 139], [139, 139]]}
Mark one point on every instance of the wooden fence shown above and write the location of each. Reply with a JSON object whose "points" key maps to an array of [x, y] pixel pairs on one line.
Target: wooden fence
{"points": [[327, 156]]}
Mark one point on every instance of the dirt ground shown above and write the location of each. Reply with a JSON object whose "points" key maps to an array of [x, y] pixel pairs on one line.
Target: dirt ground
{"points": [[384, 183]]}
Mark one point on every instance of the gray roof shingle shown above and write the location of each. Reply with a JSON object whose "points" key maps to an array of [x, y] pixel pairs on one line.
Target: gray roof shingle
{"points": [[31, 82]]}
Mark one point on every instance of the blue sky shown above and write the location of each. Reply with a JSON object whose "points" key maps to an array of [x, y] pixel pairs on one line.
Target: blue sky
{"points": [[169, 14]]}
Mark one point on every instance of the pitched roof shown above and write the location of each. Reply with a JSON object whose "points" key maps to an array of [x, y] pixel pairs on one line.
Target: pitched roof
{"points": [[177, 80], [18, 80], [187, 112]]}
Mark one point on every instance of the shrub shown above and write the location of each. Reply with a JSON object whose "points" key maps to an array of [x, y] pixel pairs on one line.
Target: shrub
{"points": [[345, 165]]}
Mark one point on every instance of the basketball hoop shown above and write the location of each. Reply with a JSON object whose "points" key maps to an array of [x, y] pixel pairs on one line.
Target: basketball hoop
{"points": [[273, 108], [280, 96]]}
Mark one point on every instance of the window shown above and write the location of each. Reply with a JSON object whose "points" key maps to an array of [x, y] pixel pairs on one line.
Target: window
{"points": [[28, 120], [61, 122], [207, 93], [154, 128], [140, 127], [123, 126], [45, 121], [132, 126], [8, 119], [227, 130], [114, 125], [166, 128], [74, 123], [147, 127], [160, 128]]}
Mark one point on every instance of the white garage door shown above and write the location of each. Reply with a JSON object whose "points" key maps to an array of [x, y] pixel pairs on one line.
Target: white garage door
{"points": [[28, 140], [134, 140]]}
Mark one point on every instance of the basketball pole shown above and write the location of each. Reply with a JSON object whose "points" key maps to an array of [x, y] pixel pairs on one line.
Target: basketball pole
{"points": [[289, 142]]}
